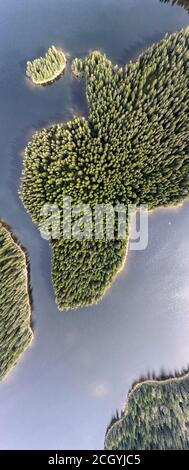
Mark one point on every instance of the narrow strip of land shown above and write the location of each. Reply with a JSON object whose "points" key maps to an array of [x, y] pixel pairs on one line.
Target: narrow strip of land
{"points": [[15, 330]]}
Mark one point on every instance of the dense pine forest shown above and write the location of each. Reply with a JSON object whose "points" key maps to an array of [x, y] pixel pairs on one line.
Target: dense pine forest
{"points": [[47, 68], [156, 417], [15, 331], [183, 3], [132, 149]]}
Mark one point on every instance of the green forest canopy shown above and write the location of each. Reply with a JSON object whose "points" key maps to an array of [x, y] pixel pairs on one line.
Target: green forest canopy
{"points": [[156, 417], [132, 149], [15, 331], [47, 68]]}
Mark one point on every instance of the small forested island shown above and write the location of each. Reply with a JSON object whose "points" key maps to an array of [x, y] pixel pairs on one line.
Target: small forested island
{"points": [[15, 331], [132, 149], [156, 417], [46, 69]]}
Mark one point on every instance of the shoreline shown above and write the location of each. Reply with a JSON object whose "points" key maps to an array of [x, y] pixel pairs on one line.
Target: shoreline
{"points": [[26, 275], [121, 267], [123, 262], [170, 205], [167, 380], [51, 79]]}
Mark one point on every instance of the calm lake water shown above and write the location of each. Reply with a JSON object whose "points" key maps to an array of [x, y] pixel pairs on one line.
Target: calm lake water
{"points": [[81, 364]]}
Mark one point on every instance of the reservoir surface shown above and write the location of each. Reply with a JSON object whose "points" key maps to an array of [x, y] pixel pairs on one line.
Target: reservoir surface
{"points": [[81, 364]]}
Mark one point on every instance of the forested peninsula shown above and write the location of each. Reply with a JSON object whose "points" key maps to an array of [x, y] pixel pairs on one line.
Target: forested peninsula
{"points": [[15, 331], [132, 149], [48, 68], [156, 417]]}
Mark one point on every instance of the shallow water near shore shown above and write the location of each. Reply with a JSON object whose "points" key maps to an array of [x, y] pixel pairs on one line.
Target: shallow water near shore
{"points": [[81, 364]]}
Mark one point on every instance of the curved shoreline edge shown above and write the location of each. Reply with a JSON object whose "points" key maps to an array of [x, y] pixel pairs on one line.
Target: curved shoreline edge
{"points": [[49, 80], [26, 274], [40, 65], [168, 380]]}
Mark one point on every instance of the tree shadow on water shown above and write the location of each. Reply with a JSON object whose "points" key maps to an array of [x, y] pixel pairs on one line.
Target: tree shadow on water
{"points": [[79, 99], [132, 52]]}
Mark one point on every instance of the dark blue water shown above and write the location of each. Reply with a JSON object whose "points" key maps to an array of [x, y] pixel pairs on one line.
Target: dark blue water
{"points": [[78, 371]]}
